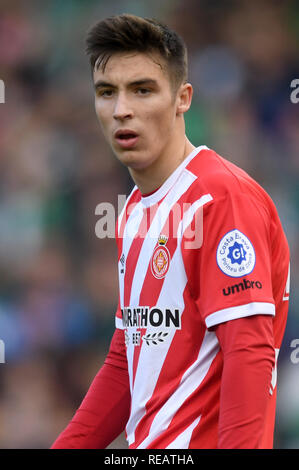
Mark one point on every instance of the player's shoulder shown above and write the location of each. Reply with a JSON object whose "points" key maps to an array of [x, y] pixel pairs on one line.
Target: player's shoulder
{"points": [[221, 178]]}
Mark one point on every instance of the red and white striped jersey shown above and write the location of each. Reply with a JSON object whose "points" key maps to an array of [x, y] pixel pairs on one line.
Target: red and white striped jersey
{"points": [[205, 248]]}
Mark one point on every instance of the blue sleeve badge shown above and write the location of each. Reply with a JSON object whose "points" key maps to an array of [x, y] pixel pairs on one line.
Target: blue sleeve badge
{"points": [[235, 254]]}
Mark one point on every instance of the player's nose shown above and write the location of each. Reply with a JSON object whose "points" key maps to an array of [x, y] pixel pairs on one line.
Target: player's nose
{"points": [[122, 108]]}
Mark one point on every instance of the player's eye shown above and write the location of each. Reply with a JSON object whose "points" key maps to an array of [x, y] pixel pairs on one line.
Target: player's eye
{"points": [[143, 91], [105, 93]]}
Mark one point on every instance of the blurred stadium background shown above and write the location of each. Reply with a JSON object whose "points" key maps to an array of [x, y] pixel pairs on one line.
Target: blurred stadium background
{"points": [[58, 289]]}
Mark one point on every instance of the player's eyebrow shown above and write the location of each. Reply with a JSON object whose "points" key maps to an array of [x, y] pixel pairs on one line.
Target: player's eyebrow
{"points": [[142, 81], [102, 84]]}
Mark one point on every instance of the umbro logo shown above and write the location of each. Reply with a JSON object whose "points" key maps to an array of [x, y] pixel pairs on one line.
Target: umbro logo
{"points": [[241, 286]]}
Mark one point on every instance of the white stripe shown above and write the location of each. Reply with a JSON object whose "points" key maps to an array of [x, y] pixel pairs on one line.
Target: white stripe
{"points": [[150, 241], [190, 381], [149, 365], [131, 229], [120, 217], [118, 323], [240, 311], [286, 294], [189, 215], [274, 373], [171, 294], [183, 440]]}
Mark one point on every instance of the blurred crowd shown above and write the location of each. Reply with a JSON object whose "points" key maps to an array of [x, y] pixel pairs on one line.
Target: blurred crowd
{"points": [[58, 289]]}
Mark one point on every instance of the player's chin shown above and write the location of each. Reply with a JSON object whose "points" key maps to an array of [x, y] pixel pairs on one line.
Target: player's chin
{"points": [[132, 159]]}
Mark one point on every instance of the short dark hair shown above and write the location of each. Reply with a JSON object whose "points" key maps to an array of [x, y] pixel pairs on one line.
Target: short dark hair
{"points": [[130, 33]]}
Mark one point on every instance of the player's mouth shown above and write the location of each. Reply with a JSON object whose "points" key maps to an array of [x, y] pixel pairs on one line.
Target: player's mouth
{"points": [[126, 138]]}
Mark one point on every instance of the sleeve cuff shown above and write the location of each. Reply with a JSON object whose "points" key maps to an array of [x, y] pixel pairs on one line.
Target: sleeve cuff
{"points": [[240, 311]]}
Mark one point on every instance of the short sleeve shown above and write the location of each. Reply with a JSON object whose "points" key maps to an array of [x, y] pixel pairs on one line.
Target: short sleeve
{"points": [[233, 266]]}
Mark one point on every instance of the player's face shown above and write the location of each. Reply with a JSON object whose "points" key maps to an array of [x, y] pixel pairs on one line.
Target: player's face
{"points": [[136, 107]]}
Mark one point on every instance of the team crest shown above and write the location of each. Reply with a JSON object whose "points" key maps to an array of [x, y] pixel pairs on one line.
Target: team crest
{"points": [[161, 258]]}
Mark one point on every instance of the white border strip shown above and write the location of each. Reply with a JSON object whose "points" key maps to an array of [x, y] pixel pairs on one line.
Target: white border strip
{"points": [[171, 180], [240, 311]]}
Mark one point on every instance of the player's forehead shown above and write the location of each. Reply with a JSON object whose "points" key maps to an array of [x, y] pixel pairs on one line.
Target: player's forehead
{"points": [[129, 67]]}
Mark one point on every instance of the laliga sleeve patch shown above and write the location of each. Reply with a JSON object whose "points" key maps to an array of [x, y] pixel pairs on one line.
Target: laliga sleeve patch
{"points": [[235, 254]]}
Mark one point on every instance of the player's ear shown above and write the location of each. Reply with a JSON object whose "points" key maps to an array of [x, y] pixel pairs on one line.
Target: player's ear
{"points": [[184, 98]]}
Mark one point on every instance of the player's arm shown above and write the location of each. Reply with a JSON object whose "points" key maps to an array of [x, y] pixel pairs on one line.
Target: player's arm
{"points": [[104, 411], [249, 357]]}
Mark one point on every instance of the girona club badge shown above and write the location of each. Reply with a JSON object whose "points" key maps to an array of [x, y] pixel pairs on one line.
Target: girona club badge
{"points": [[160, 259]]}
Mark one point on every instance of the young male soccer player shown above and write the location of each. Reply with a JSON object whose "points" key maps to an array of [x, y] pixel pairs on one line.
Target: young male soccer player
{"points": [[203, 267]]}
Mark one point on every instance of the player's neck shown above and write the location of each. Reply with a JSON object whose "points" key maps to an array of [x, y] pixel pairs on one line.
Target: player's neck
{"points": [[151, 178]]}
